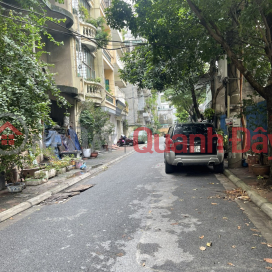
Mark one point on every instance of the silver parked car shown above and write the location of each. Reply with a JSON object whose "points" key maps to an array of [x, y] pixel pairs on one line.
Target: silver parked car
{"points": [[193, 144]]}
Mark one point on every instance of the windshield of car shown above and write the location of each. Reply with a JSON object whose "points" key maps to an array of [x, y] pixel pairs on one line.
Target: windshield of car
{"points": [[188, 129]]}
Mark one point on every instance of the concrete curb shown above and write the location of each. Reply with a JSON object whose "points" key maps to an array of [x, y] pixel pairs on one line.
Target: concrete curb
{"points": [[261, 202], [60, 187]]}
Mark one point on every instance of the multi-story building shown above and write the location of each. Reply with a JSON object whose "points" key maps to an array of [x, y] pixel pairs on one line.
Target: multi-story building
{"points": [[83, 70], [139, 114], [166, 112]]}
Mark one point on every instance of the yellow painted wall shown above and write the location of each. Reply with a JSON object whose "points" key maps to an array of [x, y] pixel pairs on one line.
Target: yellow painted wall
{"points": [[109, 74]]}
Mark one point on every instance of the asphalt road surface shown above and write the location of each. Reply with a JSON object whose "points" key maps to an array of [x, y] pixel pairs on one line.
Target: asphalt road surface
{"points": [[138, 219]]}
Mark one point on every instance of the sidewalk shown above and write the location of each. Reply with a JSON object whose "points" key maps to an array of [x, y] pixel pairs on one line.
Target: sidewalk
{"points": [[13, 203], [259, 195], [251, 180]]}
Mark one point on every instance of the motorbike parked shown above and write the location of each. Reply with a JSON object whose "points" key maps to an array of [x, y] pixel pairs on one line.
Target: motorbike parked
{"points": [[124, 141]]}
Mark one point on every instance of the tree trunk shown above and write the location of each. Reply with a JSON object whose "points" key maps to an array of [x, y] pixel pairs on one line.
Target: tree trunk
{"points": [[192, 114], [212, 73], [195, 104]]}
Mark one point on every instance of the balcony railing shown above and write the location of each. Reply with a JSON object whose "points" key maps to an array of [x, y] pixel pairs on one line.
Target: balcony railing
{"points": [[93, 89], [107, 55], [105, 4], [119, 62], [89, 31], [109, 99]]}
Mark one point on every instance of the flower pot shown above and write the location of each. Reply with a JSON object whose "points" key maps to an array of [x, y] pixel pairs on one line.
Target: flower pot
{"points": [[87, 152], [261, 170], [79, 164], [252, 159], [16, 187], [52, 173], [29, 172], [265, 159], [250, 167], [94, 154], [73, 163]]}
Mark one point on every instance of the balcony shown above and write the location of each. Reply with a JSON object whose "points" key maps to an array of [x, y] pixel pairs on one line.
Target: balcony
{"points": [[110, 99], [119, 63], [110, 102], [72, 91], [104, 4], [58, 13], [107, 55], [107, 60], [89, 31], [93, 91], [120, 94]]}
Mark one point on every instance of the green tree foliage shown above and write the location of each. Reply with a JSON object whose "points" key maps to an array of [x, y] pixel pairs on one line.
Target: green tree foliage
{"points": [[244, 30], [184, 104], [102, 36], [95, 123], [180, 73], [182, 115], [25, 82], [170, 27]]}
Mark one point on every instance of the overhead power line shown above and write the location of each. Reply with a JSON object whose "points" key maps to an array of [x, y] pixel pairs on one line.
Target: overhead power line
{"points": [[132, 43]]}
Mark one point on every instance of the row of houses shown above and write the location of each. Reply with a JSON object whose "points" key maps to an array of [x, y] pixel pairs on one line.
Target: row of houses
{"points": [[85, 72]]}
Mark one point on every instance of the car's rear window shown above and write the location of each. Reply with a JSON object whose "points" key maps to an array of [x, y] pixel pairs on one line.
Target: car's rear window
{"points": [[188, 129]]}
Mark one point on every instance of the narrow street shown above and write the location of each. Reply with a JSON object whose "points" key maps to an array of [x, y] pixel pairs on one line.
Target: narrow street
{"points": [[136, 218]]}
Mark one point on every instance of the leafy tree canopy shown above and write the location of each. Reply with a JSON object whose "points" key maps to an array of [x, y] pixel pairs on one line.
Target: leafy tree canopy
{"points": [[25, 82]]}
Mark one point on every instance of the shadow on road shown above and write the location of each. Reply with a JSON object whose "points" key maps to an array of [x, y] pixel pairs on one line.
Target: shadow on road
{"points": [[194, 171]]}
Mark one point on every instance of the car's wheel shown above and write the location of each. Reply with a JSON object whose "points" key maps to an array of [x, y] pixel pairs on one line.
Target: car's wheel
{"points": [[219, 168], [168, 168]]}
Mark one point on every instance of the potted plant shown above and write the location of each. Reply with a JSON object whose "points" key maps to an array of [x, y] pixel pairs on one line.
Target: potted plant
{"points": [[87, 122], [95, 126], [7, 166], [107, 130], [30, 164], [105, 144]]}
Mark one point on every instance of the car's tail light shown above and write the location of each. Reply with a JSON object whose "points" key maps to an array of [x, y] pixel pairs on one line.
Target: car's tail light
{"points": [[168, 144]]}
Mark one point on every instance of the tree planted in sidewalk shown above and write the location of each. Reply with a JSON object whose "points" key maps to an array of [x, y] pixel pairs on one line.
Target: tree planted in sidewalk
{"points": [[244, 30]]}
